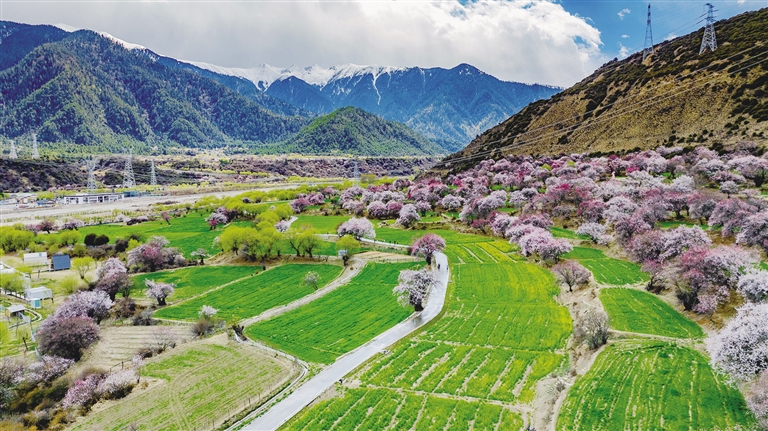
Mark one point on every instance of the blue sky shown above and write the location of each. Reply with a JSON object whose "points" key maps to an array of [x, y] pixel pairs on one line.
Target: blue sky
{"points": [[555, 42], [622, 23]]}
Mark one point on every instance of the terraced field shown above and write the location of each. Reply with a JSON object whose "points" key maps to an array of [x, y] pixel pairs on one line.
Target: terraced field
{"points": [[607, 270], [500, 334], [633, 310], [196, 385], [252, 295], [643, 385], [196, 280], [340, 321]]}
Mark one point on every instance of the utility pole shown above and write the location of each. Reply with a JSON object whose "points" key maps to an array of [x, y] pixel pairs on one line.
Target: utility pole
{"points": [[709, 40], [13, 155], [90, 165], [129, 181], [152, 176], [35, 152], [648, 48]]}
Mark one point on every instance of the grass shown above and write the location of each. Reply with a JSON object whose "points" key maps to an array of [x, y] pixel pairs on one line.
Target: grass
{"points": [[200, 384], [340, 321], [186, 233], [607, 270], [253, 295], [633, 310], [671, 224], [193, 281], [559, 232], [402, 236], [323, 224], [642, 385]]}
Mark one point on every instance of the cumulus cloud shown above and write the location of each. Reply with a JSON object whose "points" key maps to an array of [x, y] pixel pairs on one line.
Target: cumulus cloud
{"points": [[623, 51], [624, 12], [521, 40], [625, 36]]}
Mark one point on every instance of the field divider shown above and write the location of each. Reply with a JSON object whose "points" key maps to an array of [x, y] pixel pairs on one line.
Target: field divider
{"points": [[345, 277]]}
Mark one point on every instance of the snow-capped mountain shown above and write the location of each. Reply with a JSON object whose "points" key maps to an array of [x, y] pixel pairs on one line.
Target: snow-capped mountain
{"points": [[449, 106]]}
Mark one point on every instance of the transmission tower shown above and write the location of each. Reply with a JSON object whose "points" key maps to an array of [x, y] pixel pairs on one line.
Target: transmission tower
{"points": [[90, 165], [35, 152], [129, 181], [648, 48], [13, 154], [152, 177], [709, 40]]}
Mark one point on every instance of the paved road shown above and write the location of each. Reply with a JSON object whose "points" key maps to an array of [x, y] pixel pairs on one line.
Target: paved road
{"points": [[281, 412]]}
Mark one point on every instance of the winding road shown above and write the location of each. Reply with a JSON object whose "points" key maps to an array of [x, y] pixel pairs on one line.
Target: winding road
{"points": [[284, 410]]}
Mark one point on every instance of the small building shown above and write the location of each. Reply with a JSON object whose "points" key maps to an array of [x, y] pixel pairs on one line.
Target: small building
{"points": [[23, 198], [92, 198], [36, 295], [15, 311], [36, 259], [61, 261]]}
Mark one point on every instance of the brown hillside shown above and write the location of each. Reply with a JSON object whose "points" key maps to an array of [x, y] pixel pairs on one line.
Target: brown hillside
{"points": [[675, 97]]}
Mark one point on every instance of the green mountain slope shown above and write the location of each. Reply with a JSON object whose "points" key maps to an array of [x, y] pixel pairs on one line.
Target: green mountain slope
{"points": [[87, 90], [675, 97], [356, 132]]}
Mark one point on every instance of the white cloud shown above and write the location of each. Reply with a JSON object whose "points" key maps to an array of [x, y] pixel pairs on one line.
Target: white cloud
{"points": [[623, 51], [522, 40], [625, 36], [670, 36], [624, 12]]}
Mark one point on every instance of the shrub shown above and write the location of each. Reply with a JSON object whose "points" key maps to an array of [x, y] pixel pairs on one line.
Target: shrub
{"points": [[67, 337]]}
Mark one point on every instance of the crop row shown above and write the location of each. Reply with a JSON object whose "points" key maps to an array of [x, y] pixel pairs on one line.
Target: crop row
{"points": [[652, 385], [492, 249], [382, 409], [504, 283], [479, 372]]}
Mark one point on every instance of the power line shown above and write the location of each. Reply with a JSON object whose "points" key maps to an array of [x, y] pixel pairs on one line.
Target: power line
{"points": [[709, 40], [648, 48], [129, 181]]}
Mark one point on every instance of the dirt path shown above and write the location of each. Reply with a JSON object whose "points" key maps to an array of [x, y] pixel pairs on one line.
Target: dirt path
{"points": [[355, 266]]}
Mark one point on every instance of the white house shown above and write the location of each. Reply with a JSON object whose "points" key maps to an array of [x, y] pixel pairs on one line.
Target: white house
{"points": [[92, 198]]}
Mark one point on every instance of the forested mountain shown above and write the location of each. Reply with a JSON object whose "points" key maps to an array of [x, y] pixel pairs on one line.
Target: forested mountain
{"points": [[448, 106], [356, 132], [676, 97], [89, 90]]}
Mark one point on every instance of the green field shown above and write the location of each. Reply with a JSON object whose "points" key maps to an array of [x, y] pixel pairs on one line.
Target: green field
{"points": [[402, 236], [186, 233], [340, 321], [633, 310], [559, 232], [323, 224], [644, 385], [200, 384], [193, 281], [253, 295], [607, 270], [378, 409]]}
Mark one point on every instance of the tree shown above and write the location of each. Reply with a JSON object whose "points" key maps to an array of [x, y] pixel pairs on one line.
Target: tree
{"points": [[69, 237], [216, 219], [754, 230], [72, 224], [112, 278], [159, 291], [312, 279], [757, 398], [570, 273], [155, 254], [676, 241], [700, 206], [66, 337], [542, 243], [358, 228], [408, 214], [595, 232], [299, 205], [308, 240], [82, 265], [348, 244], [231, 240], [207, 312], [413, 286], [729, 214], [94, 304], [427, 246], [201, 254], [166, 217], [47, 225], [754, 285], [593, 328], [741, 348]]}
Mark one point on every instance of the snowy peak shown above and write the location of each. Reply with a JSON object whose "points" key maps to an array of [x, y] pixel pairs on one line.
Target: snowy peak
{"points": [[126, 45], [265, 75]]}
